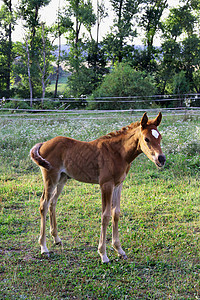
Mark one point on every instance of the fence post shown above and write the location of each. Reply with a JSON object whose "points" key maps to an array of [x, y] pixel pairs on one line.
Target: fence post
{"points": [[2, 100]]}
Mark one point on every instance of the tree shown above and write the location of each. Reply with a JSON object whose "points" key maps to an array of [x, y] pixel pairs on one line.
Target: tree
{"points": [[180, 83], [180, 20], [45, 57], [43, 66], [96, 58], [190, 58], [62, 25], [82, 13], [101, 14], [84, 16], [169, 65], [151, 23], [6, 53], [29, 12], [29, 71], [151, 19], [180, 47], [97, 62], [180, 86], [122, 31]]}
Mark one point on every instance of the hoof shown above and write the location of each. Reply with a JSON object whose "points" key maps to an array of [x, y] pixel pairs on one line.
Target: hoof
{"points": [[104, 258], [58, 244], [45, 255], [106, 262]]}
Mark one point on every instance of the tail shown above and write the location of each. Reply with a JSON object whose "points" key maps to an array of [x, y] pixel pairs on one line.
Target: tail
{"points": [[38, 159]]}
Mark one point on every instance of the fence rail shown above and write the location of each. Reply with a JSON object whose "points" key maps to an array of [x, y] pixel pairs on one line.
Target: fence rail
{"points": [[167, 103], [173, 97]]}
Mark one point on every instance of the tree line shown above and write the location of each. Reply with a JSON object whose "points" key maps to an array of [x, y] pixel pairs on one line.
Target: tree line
{"points": [[111, 66]]}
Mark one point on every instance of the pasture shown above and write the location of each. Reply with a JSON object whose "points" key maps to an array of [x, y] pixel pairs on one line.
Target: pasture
{"points": [[159, 224]]}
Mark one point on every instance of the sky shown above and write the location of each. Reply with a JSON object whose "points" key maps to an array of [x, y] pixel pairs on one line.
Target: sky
{"points": [[49, 13]]}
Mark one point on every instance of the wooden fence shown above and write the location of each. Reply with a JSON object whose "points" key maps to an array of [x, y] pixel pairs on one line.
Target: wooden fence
{"points": [[173, 104]]}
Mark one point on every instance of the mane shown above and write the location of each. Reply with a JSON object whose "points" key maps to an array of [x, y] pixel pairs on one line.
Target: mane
{"points": [[124, 130]]}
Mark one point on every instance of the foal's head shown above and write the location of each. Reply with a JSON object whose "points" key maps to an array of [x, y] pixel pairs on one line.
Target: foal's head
{"points": [[150, 139]]}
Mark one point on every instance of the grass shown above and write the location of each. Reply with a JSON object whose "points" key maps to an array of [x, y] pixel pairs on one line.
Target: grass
{"points": [[62, 85], [159, 224]]}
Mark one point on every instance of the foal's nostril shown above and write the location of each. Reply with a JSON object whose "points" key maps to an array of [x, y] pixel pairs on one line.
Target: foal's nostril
{"points": [[162, 159]]}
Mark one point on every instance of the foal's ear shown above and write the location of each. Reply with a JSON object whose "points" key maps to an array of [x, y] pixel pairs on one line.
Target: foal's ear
{"points": [[144, 120], [158, 119]]}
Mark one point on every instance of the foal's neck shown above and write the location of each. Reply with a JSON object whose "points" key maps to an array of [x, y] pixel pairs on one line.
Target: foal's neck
{"points": [[131, 144]]}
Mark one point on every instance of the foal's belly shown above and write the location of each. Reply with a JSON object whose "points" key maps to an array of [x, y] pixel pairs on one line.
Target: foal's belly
{"points": [[88, 174]]}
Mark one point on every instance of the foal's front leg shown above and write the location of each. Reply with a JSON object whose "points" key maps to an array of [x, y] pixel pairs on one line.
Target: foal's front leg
{"points": [[115, 218], [106, 194]]}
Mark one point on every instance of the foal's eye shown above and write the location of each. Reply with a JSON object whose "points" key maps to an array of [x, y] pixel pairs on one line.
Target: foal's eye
{"points": [[146, 140]]}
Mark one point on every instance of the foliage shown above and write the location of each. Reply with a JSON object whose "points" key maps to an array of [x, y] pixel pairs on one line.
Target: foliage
{"points": [[180, 84], [81, 82], [179, 20], [80, 79], [16, 105], [180, 47], [97, 61], [24, 71], [159, 224], [84, 79], [170, 64], [35, 42], [84, 16], [29, 10], [62, 25], [196, 80], [191, 57], [151, 23], [40, 70], [116, 42], [123, 81], [151, 19], [3, 69], [7, 21]]}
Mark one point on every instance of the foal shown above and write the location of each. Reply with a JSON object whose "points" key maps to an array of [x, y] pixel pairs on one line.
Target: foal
{"points": [[105, 161]]}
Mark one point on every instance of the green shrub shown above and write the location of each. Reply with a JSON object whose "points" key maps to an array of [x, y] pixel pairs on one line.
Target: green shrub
{"points": [[124, 81], [16, 104], [46, 104]]}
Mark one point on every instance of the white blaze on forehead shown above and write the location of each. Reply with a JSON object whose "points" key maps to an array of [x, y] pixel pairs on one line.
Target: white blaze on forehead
{"points": [[155, 133]]}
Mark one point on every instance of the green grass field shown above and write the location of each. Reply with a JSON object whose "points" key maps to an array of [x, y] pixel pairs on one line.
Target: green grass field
{"points": [[159, 224], [62, 85]]}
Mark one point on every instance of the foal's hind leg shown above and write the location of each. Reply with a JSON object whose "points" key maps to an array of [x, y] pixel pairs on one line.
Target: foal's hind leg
{"points": [[49, 188], [115, 218], [52, 208], [44, 205]]}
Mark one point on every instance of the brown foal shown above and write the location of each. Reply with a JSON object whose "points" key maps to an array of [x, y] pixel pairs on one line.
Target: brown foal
{"points": [[105, 161]]}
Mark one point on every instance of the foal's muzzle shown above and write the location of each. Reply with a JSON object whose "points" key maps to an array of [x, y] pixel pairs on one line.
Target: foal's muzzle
{"points": [[161, 160]]}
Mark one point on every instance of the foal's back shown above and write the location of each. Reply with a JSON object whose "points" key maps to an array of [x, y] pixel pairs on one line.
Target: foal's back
{"points": [[79, 160]]}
